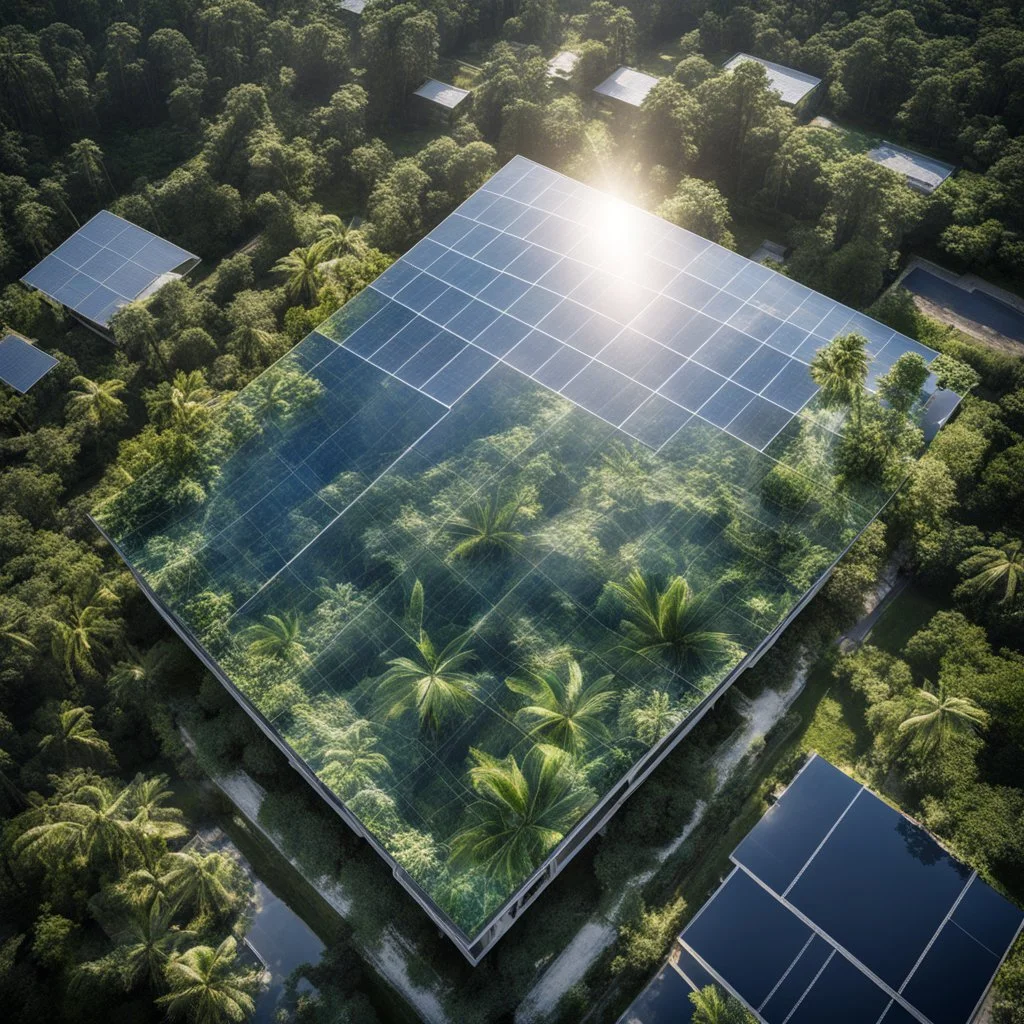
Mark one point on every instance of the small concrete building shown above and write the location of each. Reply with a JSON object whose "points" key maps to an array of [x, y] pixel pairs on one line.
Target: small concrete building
{"points": [[794, 88], [923, 173], [353, 8], [627, 85], [562, 65], [106, 264], [439, 101]]}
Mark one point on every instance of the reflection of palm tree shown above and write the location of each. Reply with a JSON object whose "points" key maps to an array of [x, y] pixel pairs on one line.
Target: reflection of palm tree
{"points": [[432, 682], [487, 529], [710, 1006], [670, 624], [564, 712], [278, 637], [208, 987], [351, 762], [302, 270], [652, 717], [938, 716], [74, 738], [998, 568], [840, 368], [522, 812], [145, 944]]}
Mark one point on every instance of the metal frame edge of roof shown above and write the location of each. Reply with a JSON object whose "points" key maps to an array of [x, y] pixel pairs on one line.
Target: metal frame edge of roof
{"points": [[781, 72]]}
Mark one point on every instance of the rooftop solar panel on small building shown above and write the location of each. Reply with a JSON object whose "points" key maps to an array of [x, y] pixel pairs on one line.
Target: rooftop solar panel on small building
{"points": [[441, 93], [106, 264], [22, 364], [923, 173], [840, 908], [627, 85], [791, 85]]}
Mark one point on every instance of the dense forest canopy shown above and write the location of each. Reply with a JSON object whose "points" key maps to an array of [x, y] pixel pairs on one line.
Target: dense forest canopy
{"points": [[275, 139]]}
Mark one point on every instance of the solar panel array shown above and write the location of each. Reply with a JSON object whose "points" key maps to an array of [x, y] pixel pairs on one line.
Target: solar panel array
{"points": [[106, 264], [627, 85], [841, 909], [644, 326], [22, 364]]}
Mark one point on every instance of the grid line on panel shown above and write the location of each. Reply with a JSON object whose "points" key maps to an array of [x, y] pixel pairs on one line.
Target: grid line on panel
{"points": [[813, 982], [596, 358], [825, 839]]}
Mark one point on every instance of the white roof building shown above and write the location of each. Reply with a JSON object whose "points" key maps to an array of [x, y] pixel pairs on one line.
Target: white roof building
{"points": [[792, 86], [627, 85]]}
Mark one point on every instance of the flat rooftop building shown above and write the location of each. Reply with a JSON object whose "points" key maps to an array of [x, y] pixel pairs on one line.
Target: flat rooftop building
{"points": [[562, 65], [444, 98], [922, 173], [627, 85], [840, 908], [355, 7], [430, 520], [792, 86], [106, 264]]}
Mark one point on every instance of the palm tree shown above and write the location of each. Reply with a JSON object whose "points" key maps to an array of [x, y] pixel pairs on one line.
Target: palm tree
{"points": [[992, 569], [84, 630], [335, 236], [182, 402], [251, 343], [522, 812], [152, 818], [432, 682], [840, 369], [74, 738], [132, 680], [86, 157], [651, 716], [204, 881], [88, 821], [145, 944], [278, 637], [566, 713], [10, 630], [669, 624], [206, 986], [272, 397], [96, 402], [351, 762], [937, 716], [487, 529], [302, 267]]}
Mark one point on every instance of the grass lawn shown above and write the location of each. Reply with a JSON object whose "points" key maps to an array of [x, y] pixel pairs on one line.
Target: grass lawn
{"points": [[908, 612]]}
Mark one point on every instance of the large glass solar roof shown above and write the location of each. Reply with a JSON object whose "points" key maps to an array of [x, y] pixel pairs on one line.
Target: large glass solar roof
{"points": [[841, 909], [107, 263], [22, 364], [416, 531]]}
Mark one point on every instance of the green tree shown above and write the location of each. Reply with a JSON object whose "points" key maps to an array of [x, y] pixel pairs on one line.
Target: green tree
{"points": [[522, 812], [712, 1006], [840, 369], [82, 629], [994, 570], [207, 986], [145, 943], [566, 712], [96, 402], [86, 159], [303, 276], [203, 881], [74, 739], [699, 207], [669, 624], [938, 716], [901, 386], [183, 403], [432, 682], [351, 759]]}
